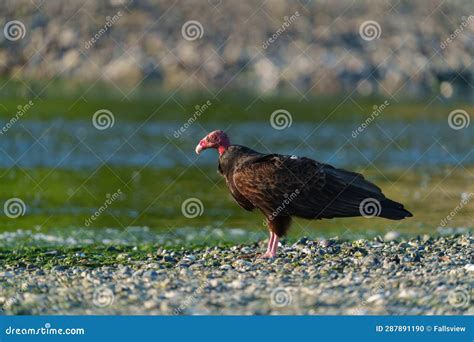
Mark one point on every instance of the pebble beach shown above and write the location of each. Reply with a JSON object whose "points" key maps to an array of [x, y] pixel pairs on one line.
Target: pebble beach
{"points": [[419, 276]]}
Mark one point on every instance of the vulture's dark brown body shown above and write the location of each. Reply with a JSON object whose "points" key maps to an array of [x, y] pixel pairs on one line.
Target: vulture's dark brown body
{"points": [[285, 186]]}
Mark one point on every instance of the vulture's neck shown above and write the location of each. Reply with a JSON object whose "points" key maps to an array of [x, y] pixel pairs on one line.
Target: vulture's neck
{"points": [[234, 156], [221, 149]]}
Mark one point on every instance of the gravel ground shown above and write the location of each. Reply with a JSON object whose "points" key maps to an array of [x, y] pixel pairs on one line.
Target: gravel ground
{"points": [[419, 276]]}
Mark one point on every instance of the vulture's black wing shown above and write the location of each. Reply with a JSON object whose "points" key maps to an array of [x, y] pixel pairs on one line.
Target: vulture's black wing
{"points": [[287, 185]]}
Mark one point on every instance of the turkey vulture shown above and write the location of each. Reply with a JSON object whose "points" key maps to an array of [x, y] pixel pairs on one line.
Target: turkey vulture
{"points": [[283, 186]]}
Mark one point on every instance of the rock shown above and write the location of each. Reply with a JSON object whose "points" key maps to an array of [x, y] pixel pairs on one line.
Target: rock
{"points": [[376, 299], [151, 304], [190, 257], [391, 236], [469, 267]]}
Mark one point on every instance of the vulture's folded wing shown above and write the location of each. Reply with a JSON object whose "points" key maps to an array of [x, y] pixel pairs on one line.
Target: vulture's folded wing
{"points": [[284, 185]]}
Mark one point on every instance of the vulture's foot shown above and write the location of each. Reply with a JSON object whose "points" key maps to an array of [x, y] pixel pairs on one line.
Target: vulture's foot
{"points": [[267, 255]]}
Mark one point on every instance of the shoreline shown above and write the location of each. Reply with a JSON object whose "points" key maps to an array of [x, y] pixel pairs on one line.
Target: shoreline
{"points": [[421, 276]]}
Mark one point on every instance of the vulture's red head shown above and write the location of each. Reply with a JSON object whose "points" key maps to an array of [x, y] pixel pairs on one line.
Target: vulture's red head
{"points": [[217, 139]]}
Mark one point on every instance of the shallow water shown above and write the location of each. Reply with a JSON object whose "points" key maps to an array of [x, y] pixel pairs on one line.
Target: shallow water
{"points": [[65, 170], [77, 144]]}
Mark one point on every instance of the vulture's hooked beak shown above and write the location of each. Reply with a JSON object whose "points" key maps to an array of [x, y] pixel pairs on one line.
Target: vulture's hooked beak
{"points": [[198, 148]]}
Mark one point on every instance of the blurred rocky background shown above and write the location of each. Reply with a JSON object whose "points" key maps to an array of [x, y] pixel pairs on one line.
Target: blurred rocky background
{"points": [[305, 47]]}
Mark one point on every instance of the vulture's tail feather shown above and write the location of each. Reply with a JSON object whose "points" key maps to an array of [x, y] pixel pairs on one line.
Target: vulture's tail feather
{"points": [[393, 210]]}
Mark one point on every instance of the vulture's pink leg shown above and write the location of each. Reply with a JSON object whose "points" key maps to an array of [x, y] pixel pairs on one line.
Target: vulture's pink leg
{"points": [[271, 249], [270, 242]]}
